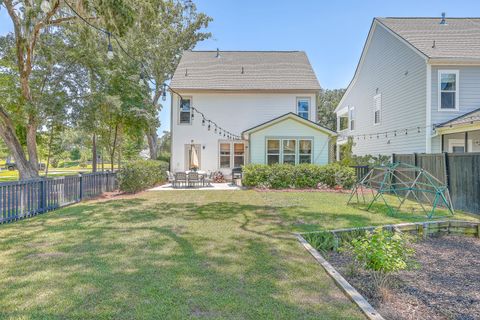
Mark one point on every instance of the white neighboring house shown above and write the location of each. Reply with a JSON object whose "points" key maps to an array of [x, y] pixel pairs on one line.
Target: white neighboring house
{"points": [[268, 98], [416, 88]]}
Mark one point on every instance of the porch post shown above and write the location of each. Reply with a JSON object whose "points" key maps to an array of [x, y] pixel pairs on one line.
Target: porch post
{"points": [[466, 142]]}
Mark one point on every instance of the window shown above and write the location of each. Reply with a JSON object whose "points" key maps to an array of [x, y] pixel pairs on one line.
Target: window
{"points": [[238, 154], [305, 151], [351, 118], [225, 155], [303, 107], [448, 90], [377, 108], [289, 151], [273, 151], [342, 123], [185, 111]]}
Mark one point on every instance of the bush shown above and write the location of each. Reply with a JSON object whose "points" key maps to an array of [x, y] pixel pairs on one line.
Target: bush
{"points": [[381, 252], [282, 176], [323, 241], [139, 175]]}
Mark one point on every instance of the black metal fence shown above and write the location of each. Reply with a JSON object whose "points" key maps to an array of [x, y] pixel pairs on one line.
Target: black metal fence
{"points": [[361, 171], [460, 171], [22, 199]]}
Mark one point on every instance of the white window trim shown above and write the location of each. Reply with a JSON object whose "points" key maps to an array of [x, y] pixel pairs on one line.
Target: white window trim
{"points": [[375, 97], [297, 148], [179, 111], [457, 90], [351, 111], [232, 152], [309, 105]]}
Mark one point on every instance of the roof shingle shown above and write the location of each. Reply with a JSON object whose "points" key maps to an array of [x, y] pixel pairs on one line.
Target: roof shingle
{"points": [[458, 38], [244, 70]]}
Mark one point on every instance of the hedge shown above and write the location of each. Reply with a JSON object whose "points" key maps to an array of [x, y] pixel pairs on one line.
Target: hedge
{"points": [[302, 176], [139, 175]]}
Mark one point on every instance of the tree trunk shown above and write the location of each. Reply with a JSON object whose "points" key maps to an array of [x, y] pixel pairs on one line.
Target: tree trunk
{"points": [[152, 138], [49, 152], [94, 153], [112, 154], [32, 142], [7, 132]]}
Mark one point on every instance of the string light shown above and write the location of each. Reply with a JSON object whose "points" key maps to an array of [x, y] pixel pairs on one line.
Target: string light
{"points": [[203, 122]]}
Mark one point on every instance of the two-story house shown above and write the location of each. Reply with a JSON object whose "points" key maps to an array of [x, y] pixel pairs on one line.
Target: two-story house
{"points": [[267, 98], [416, 88]]}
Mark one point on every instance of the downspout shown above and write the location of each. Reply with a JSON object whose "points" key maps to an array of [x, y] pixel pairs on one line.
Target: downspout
{"points": [[428, 116]]}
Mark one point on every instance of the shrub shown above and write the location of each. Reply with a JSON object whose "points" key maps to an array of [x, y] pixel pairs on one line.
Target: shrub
{"points": [[139, 175], [282, 176], [381, 252]]}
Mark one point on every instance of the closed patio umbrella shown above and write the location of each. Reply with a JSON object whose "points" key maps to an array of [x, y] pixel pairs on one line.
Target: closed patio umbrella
{"points": [[193, 158]]}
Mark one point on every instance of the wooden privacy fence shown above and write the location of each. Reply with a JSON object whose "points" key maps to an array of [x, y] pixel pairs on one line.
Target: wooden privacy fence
{"points": [[26, 198], [459, 171]]}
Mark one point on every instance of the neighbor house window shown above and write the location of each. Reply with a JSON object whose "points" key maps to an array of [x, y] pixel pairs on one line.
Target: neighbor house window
{"points": [[238, 154], [351, 118], [448, 90], [185, 110], [377, 108], [289, 151], [342, 123], [305, 151], [273, 151], [303, 107], [225, 155]]}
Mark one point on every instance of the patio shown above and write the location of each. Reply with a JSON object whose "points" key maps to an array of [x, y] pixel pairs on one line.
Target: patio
{"points": [[211, 187]]}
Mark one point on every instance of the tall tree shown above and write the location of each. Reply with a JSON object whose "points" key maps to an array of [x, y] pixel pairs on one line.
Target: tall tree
{"points": [[328, 100], [163, 30], [30, 21]]}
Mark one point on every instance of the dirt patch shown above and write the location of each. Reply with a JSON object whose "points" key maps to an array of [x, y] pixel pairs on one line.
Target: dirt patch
{"points": [[446, 285]]}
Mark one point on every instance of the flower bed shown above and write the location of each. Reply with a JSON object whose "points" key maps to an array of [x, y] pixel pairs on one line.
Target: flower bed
{"points": [[442, 284]]}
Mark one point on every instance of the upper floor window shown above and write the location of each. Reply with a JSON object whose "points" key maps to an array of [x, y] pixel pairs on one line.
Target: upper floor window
{"points": [[377, 108], [303, 107], [342, 122], [351, 118], [448, 89], [185, 111]]}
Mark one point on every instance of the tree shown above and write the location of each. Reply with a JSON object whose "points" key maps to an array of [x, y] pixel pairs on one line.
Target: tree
{"points": [[163, 30], [327, 101], [30, 21]]}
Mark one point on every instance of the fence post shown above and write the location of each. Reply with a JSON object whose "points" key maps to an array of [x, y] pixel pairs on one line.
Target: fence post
{"points": [[393, 158], [80, 175], [447, 171], [43, 186], [415, 159]]}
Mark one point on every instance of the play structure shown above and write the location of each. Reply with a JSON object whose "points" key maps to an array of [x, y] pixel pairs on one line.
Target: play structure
{"points": [[399, 183]]}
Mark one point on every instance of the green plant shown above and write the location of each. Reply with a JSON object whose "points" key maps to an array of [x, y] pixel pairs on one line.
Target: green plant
{"points": [[323, 241], [282, 176], [139, 175], [381, 252]]}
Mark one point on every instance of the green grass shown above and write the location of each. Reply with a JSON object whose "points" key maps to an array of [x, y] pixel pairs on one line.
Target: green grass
{"points": [[177, 255]]}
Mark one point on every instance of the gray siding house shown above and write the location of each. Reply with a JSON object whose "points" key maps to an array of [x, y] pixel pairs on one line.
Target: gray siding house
{"points": [[416, 88]]}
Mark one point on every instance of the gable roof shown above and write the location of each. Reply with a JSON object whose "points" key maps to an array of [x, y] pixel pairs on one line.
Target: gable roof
{"points": [[467, 118], [245, 70], [458, 38], [292, 116]]}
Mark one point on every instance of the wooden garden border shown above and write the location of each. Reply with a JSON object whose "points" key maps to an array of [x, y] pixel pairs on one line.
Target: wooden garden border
{"points": [[459, 227]]}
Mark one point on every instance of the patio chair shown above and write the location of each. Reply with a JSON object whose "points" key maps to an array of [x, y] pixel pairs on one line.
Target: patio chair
{"points": [[193, 179], [180, 177], [207, 179], [170, 178]]}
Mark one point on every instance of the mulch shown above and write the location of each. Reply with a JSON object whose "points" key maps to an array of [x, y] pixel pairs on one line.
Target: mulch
{"points": [[445, 285]]}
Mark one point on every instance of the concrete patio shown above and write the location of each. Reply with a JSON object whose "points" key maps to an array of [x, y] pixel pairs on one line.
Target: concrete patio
{"points": [[212, 186]]}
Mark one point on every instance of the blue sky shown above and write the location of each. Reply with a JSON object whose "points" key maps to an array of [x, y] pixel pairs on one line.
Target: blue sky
{"points": [[332, 33]]}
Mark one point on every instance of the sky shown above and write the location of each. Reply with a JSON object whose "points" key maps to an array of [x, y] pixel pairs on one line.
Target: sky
{"points": [[332, 33]]}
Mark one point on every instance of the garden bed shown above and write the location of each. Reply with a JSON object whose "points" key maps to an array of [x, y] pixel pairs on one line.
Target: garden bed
{"points": [[445, 285]]}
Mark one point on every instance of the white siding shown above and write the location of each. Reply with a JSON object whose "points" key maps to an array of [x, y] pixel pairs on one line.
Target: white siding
{"points": [[236, 112], [469, 92], [398, 73]]}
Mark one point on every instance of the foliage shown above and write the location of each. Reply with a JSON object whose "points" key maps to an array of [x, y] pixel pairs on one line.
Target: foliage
{"points": [[139, 175], [282, 176], [382, 252], [323, 241], [327, 102]]}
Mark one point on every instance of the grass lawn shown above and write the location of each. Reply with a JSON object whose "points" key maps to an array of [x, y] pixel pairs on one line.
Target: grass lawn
{"points": [[178, 255]]}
